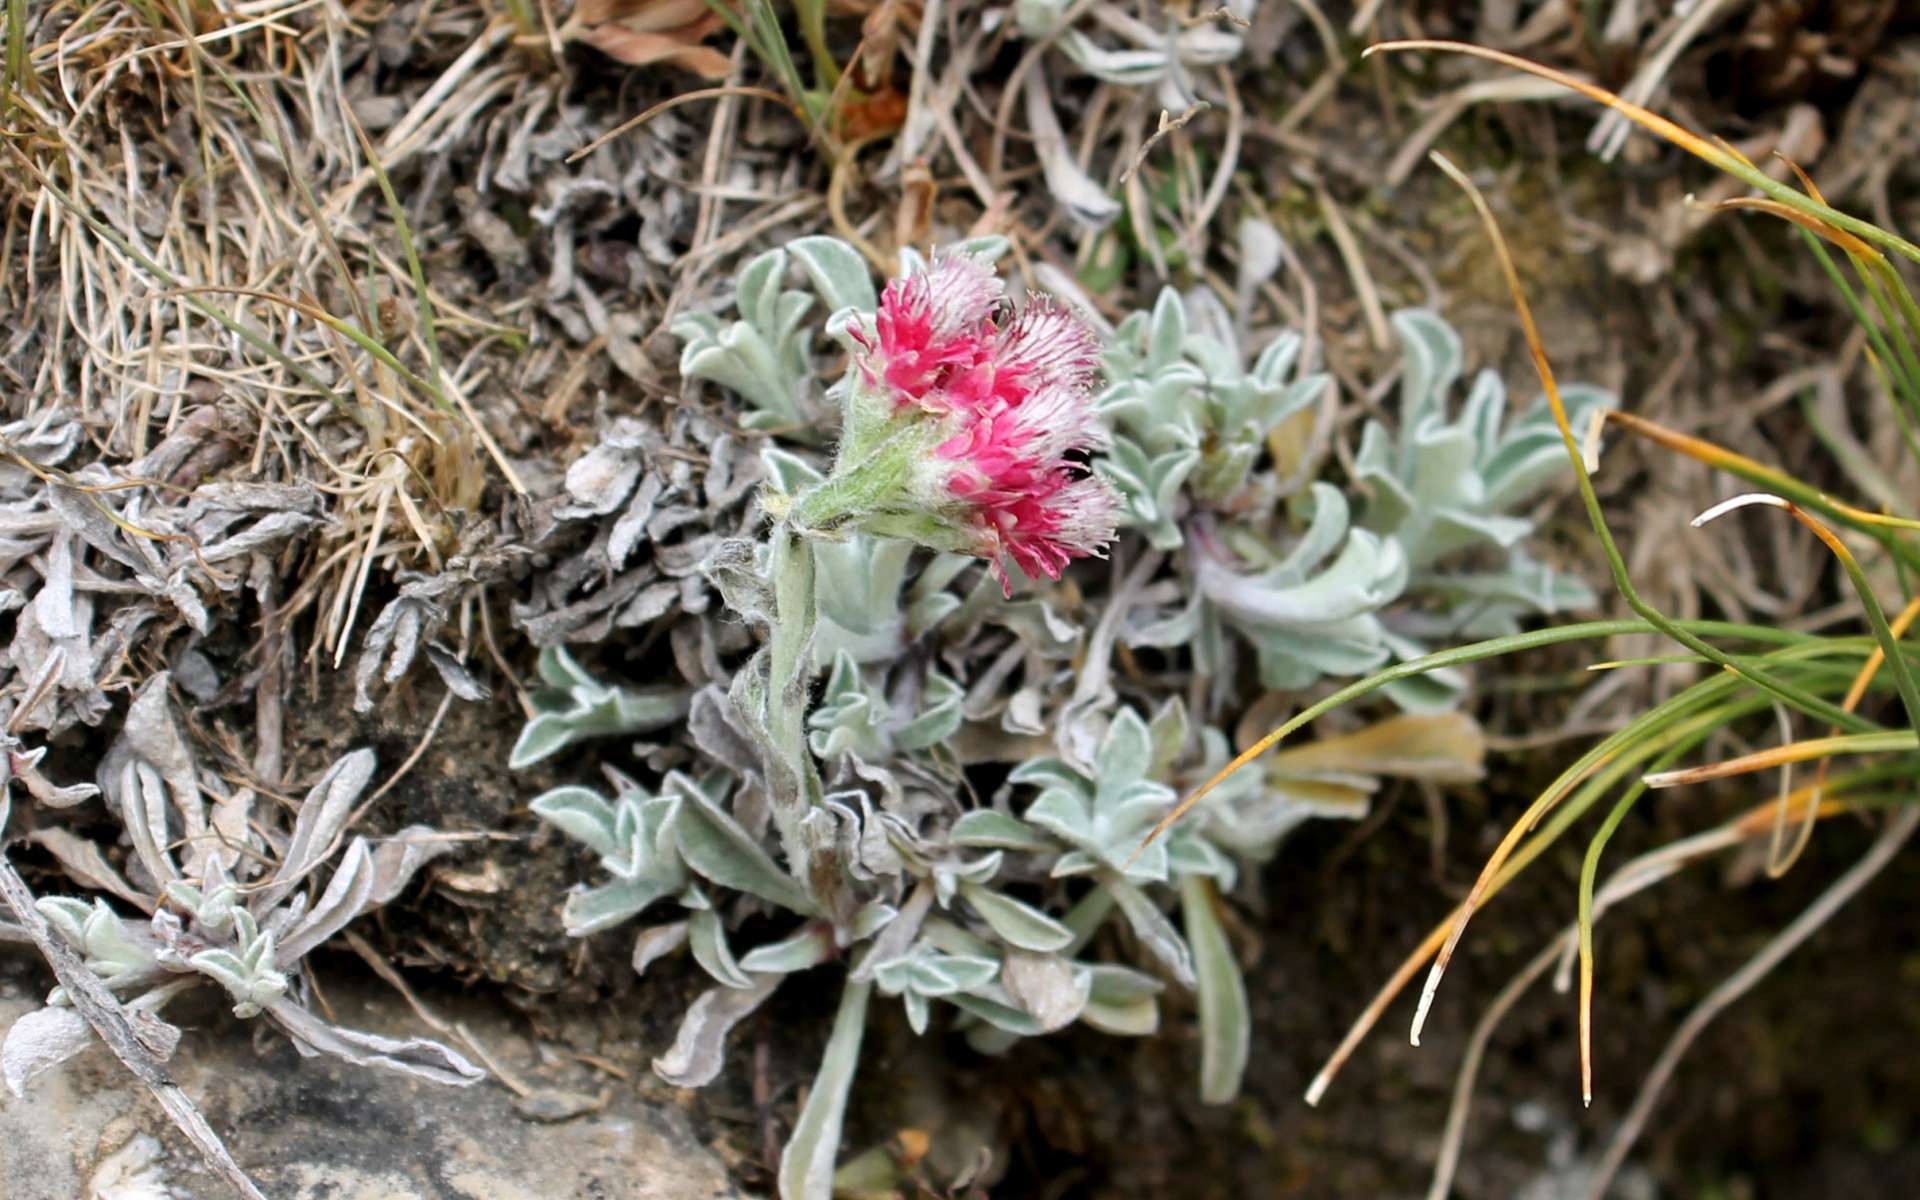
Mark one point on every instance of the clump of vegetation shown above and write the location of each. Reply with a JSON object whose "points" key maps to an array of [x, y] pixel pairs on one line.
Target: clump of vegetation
{"points": [[855, 619], [957, 418], [1775, 674]]}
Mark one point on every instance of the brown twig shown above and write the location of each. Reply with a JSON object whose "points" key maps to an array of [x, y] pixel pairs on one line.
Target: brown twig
{"points": [[109, 1019]]}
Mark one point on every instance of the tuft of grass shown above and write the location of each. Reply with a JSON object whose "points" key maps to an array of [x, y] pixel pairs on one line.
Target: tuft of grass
{"points": [[1820, 677]]}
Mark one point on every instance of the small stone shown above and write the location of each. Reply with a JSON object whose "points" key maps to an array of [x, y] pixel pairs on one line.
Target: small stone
{"points": [[550, 1106]]}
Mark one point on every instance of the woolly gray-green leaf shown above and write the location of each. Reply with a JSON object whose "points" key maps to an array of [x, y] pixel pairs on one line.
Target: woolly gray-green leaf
{"points": [[582, 815], [806, 1165], [838, 274], [698, 1050], [589, 910], [1155, 932], [990, 829], [810, 947], [708, 938], [715, 846], [1225, 1022], [1018, 923]]}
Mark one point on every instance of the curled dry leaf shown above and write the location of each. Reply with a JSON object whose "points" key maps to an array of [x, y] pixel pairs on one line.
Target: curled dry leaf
{"points": [[40, 1041], [418, 1057], [642, 33]]}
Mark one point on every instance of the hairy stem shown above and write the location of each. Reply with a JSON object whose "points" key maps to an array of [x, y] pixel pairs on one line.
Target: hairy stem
{"points": [[794, 783]]}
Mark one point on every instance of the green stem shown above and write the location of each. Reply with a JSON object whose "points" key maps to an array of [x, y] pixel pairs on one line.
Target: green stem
{"points": [[790, 671], [806, 1165]]}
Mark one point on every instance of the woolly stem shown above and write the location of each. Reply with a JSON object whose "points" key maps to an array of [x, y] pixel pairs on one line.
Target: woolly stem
{"points": [[789, 676]]}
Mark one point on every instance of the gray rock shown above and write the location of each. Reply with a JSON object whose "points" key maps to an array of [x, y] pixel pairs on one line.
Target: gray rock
{"points": [[318, 1129]]}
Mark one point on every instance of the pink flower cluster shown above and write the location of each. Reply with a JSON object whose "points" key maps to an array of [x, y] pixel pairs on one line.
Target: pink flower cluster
{"points": [[1017, 399]]}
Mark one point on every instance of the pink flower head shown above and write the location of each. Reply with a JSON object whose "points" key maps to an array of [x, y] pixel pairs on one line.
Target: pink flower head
{"points": [[1014, 402], [929, 326]]}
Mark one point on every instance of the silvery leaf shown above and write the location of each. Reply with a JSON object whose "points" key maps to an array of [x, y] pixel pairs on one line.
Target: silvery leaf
{"points": [[455, 674], [838, 274], [697, 1053], [1018, 923], [39, 1041], [811, 946], [714, 845], [655, 942], [1225, 1022], [806, 1165], [26, 770], [421, 1058], [348, 894], [83, 863], [397, 858], [708, 937], [1000, 1016], [68, 916], [991, 829], [1133, 1017], [582, 815], [1155, 932], [590, 910], [1086, 201], [322, 813]]}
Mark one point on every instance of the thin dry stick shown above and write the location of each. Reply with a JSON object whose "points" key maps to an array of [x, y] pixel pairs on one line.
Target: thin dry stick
{"points": [[1356, 264], [1456, 1130], [1742, 981], [1611, 130], [1168, 124], [713, 93], [109, 1020], [445, 1028], [1216, 193]]}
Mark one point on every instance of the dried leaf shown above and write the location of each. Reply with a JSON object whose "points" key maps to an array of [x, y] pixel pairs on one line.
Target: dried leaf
{"points": [[656, 942], [40, 1041], [86, 866], [349, 893], [322, 813], [420, 1058]]}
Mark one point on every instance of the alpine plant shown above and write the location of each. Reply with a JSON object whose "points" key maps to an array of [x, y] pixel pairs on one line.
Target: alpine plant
{"points": [[968, 426]]}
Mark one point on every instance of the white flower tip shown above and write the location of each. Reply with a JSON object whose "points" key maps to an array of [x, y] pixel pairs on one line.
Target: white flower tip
{"points": [[1427, 992], [1744, 500], [1318, 1088], [1590, 445]]}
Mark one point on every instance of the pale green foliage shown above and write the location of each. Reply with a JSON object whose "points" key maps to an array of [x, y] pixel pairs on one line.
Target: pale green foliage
{"points": [[1309, 609], [1434, 553], [872, 605], [247, 970], [764, 356], [854, 717], [634, 837], [1178, 379], [1103, 815], [1442, 487], [1190, 414], [990, 905], [1450, 491], [105, 944], [574, 705]]}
